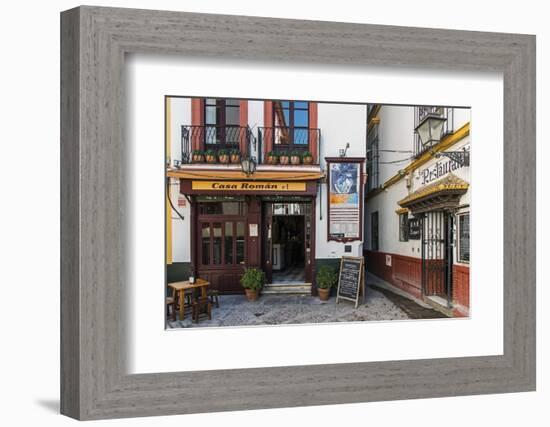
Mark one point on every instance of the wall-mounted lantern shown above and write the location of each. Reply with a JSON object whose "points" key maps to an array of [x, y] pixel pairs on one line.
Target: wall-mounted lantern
{"points": [[248, 165], [430, 129]]}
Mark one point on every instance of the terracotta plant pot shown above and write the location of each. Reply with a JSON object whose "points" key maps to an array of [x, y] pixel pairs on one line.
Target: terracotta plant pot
{"points": [[284, 160], [235, 158], [251, 294], [211, 159], [272, 160], [324, 293], [198, 158], [295, 160], [224, 158], [308, 160]]}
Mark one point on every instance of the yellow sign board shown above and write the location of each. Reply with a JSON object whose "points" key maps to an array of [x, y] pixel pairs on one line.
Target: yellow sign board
{"points": [[248, 186]]}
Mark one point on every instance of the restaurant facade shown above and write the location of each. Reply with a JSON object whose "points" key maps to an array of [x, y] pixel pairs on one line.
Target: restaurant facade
{"points": [[277, 185], [417, 203]]}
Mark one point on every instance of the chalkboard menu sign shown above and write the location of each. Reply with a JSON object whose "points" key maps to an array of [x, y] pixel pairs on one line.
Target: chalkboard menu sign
{"points": [[414, 229], [351, 280]]}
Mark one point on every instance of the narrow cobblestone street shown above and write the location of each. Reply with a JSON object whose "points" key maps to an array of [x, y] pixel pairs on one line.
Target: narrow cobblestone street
{"points": [[235, 310]]}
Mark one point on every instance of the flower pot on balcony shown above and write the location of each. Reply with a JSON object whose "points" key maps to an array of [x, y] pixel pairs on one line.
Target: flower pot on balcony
{"points": [[271, 158], [235, 158], [223, 156], [295, 159], [284, 159], [211, 158], [197, 156], [307, 158]]}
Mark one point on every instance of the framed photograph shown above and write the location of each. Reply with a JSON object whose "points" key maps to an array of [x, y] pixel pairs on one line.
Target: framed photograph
{"points": [[371, 164]]}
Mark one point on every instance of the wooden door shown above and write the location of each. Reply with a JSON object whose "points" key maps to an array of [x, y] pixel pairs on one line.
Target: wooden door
{"points": [[267, 248]]}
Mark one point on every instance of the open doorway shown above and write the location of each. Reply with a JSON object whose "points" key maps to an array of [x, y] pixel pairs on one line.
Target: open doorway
{"points": [[288, 246], [287, 249]]}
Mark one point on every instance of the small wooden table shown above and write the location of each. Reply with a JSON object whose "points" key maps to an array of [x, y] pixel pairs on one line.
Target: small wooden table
{"points": [[181, 287]]}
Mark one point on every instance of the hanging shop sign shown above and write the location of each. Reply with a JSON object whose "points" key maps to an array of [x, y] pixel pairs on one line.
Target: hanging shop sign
{"points": [[345, 198], [248, 186], [439, 169], [351, 281]]}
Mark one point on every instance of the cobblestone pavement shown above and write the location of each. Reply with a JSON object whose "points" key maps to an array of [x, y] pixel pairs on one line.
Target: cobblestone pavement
{"points": [[235, 310]]}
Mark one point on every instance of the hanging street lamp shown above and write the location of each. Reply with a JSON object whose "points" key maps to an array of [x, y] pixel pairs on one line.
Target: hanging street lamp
{"points": [[430, 129]]}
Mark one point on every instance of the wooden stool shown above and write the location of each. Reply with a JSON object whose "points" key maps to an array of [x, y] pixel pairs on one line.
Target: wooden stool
{"points": [[171, 307], [213, 295], [201, 307]]}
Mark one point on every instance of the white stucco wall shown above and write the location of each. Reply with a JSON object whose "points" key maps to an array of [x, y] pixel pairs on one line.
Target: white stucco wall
{"points": [[396, 133], [339, 124], [181, 229]]}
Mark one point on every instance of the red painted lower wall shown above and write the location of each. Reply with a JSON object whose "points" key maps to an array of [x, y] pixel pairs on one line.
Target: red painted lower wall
{"points": [[461, 289], [405, 273]]}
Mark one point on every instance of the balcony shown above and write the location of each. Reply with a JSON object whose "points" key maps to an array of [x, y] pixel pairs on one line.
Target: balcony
{"points": [[228, 144], [215, 140], [281, 140]]}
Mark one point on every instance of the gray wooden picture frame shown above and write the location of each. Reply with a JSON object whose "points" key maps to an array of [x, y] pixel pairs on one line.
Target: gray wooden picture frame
{"points": [[94, 41]]}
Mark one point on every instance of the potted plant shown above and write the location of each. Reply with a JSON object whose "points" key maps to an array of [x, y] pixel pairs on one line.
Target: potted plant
{"points": [[272, 158], [307, 158], [223, 156], [234, 156], [284, 158], [326, 278], [295, 157], [252, 281], [210, 156], [198, 156]]}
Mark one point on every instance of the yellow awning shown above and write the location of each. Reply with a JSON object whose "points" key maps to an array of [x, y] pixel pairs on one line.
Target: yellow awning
{"points": [[259, 175], [443, 193]]}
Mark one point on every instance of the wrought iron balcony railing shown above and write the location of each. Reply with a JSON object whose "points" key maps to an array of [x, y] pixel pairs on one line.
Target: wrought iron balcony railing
{"points": [[215, 138], [289, 139]]}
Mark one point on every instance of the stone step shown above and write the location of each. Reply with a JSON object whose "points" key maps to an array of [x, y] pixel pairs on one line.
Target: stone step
{"points": [[287, 288], [439, 304]]}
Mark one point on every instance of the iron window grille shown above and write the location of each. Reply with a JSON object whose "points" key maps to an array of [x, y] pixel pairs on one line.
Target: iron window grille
{"points": [[373, 159], [464, 237], [374, 230], [404, 227]]}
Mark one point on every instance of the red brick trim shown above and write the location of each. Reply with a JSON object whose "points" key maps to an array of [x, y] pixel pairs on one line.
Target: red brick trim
{"points": [[313, 124], [268, 122], [243, 121], [197, 119]]}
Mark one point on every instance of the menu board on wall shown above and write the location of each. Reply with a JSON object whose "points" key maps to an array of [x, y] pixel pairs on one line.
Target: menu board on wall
{"points": [[344, 199]]}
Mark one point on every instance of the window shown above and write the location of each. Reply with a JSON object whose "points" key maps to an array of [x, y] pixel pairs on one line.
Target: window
{"points": [[222, 208], [404, 227], [372, 158], [222, 239], [222, 122], [291, 124], [222, 243], [374, 230], [464, 237]]}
